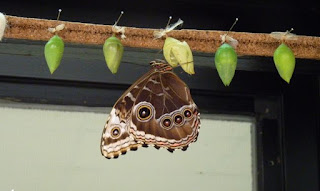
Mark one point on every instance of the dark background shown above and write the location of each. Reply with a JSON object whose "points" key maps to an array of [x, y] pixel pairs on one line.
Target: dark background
{"points": [[287, 115], [254, 16]]}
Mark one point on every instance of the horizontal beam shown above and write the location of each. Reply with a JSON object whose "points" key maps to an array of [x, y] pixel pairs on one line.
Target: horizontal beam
{"points": [[250, 44], [85, 63]]}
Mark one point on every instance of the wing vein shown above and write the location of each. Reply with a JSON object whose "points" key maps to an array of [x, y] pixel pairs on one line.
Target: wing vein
{"points": [[166, 95], [143, 85]]}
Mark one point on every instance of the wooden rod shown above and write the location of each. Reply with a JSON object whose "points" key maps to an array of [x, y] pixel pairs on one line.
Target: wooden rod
{"points": [[250, 44]]}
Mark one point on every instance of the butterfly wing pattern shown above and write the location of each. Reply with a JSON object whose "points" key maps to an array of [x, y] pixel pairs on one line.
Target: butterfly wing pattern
{"points": [[156, 110]]}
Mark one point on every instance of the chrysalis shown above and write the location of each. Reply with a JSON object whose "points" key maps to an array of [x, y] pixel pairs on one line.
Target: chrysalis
{"points": [[283, 56], [176, 52], [226, 62], [113, 48], [285, 61], [3, 24], [53, 50], [226, 58]]}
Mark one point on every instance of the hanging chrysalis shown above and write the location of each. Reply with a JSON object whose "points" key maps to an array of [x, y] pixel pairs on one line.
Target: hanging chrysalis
{"points": [[176, 52], [226, 58], [283, 56], [54, 48], [3, 24], [113, 48]]}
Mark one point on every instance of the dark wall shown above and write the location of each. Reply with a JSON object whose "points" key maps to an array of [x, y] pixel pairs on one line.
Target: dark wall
{"points": [[254, 16]]}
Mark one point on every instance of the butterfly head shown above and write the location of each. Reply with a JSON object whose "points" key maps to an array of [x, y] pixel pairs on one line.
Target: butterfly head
{"points": [[160, 65]]}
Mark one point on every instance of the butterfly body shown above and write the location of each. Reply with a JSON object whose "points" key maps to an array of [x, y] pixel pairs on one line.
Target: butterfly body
{"points": [[156, 110]]}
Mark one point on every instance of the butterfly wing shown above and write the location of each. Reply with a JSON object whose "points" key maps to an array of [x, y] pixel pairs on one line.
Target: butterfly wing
{"points": [[164, 114], [116, 139], [157, 109]]}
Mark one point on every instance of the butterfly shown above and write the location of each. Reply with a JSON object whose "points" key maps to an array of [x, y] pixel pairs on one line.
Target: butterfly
{"points": [[156, 110]]}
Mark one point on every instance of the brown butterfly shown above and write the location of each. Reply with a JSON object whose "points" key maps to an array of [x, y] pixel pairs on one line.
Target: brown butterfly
{"points": [[156, 110]]}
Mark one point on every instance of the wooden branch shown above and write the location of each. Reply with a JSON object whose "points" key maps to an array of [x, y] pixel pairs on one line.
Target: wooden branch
{"points": [[250, 44]]}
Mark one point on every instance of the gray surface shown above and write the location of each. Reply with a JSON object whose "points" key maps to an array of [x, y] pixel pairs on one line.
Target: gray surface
{"points": [[57, 150]]}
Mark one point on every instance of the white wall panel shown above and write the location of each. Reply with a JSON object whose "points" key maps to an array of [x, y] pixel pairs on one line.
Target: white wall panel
{"points": [[44, 150]]}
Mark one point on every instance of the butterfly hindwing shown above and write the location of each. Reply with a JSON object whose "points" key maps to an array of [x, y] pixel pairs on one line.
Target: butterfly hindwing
{"points": [[116, 139], [173, 121]]}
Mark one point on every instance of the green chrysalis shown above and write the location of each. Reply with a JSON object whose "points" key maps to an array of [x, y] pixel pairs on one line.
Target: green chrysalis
{"points": [[53, 52], [284, 60], [113, 51], [226, 63], [178, 53], [113, 48], [226, 57]]}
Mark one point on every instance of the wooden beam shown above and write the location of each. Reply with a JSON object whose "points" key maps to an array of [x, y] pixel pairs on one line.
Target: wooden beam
{"points": [[250, 44]]}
